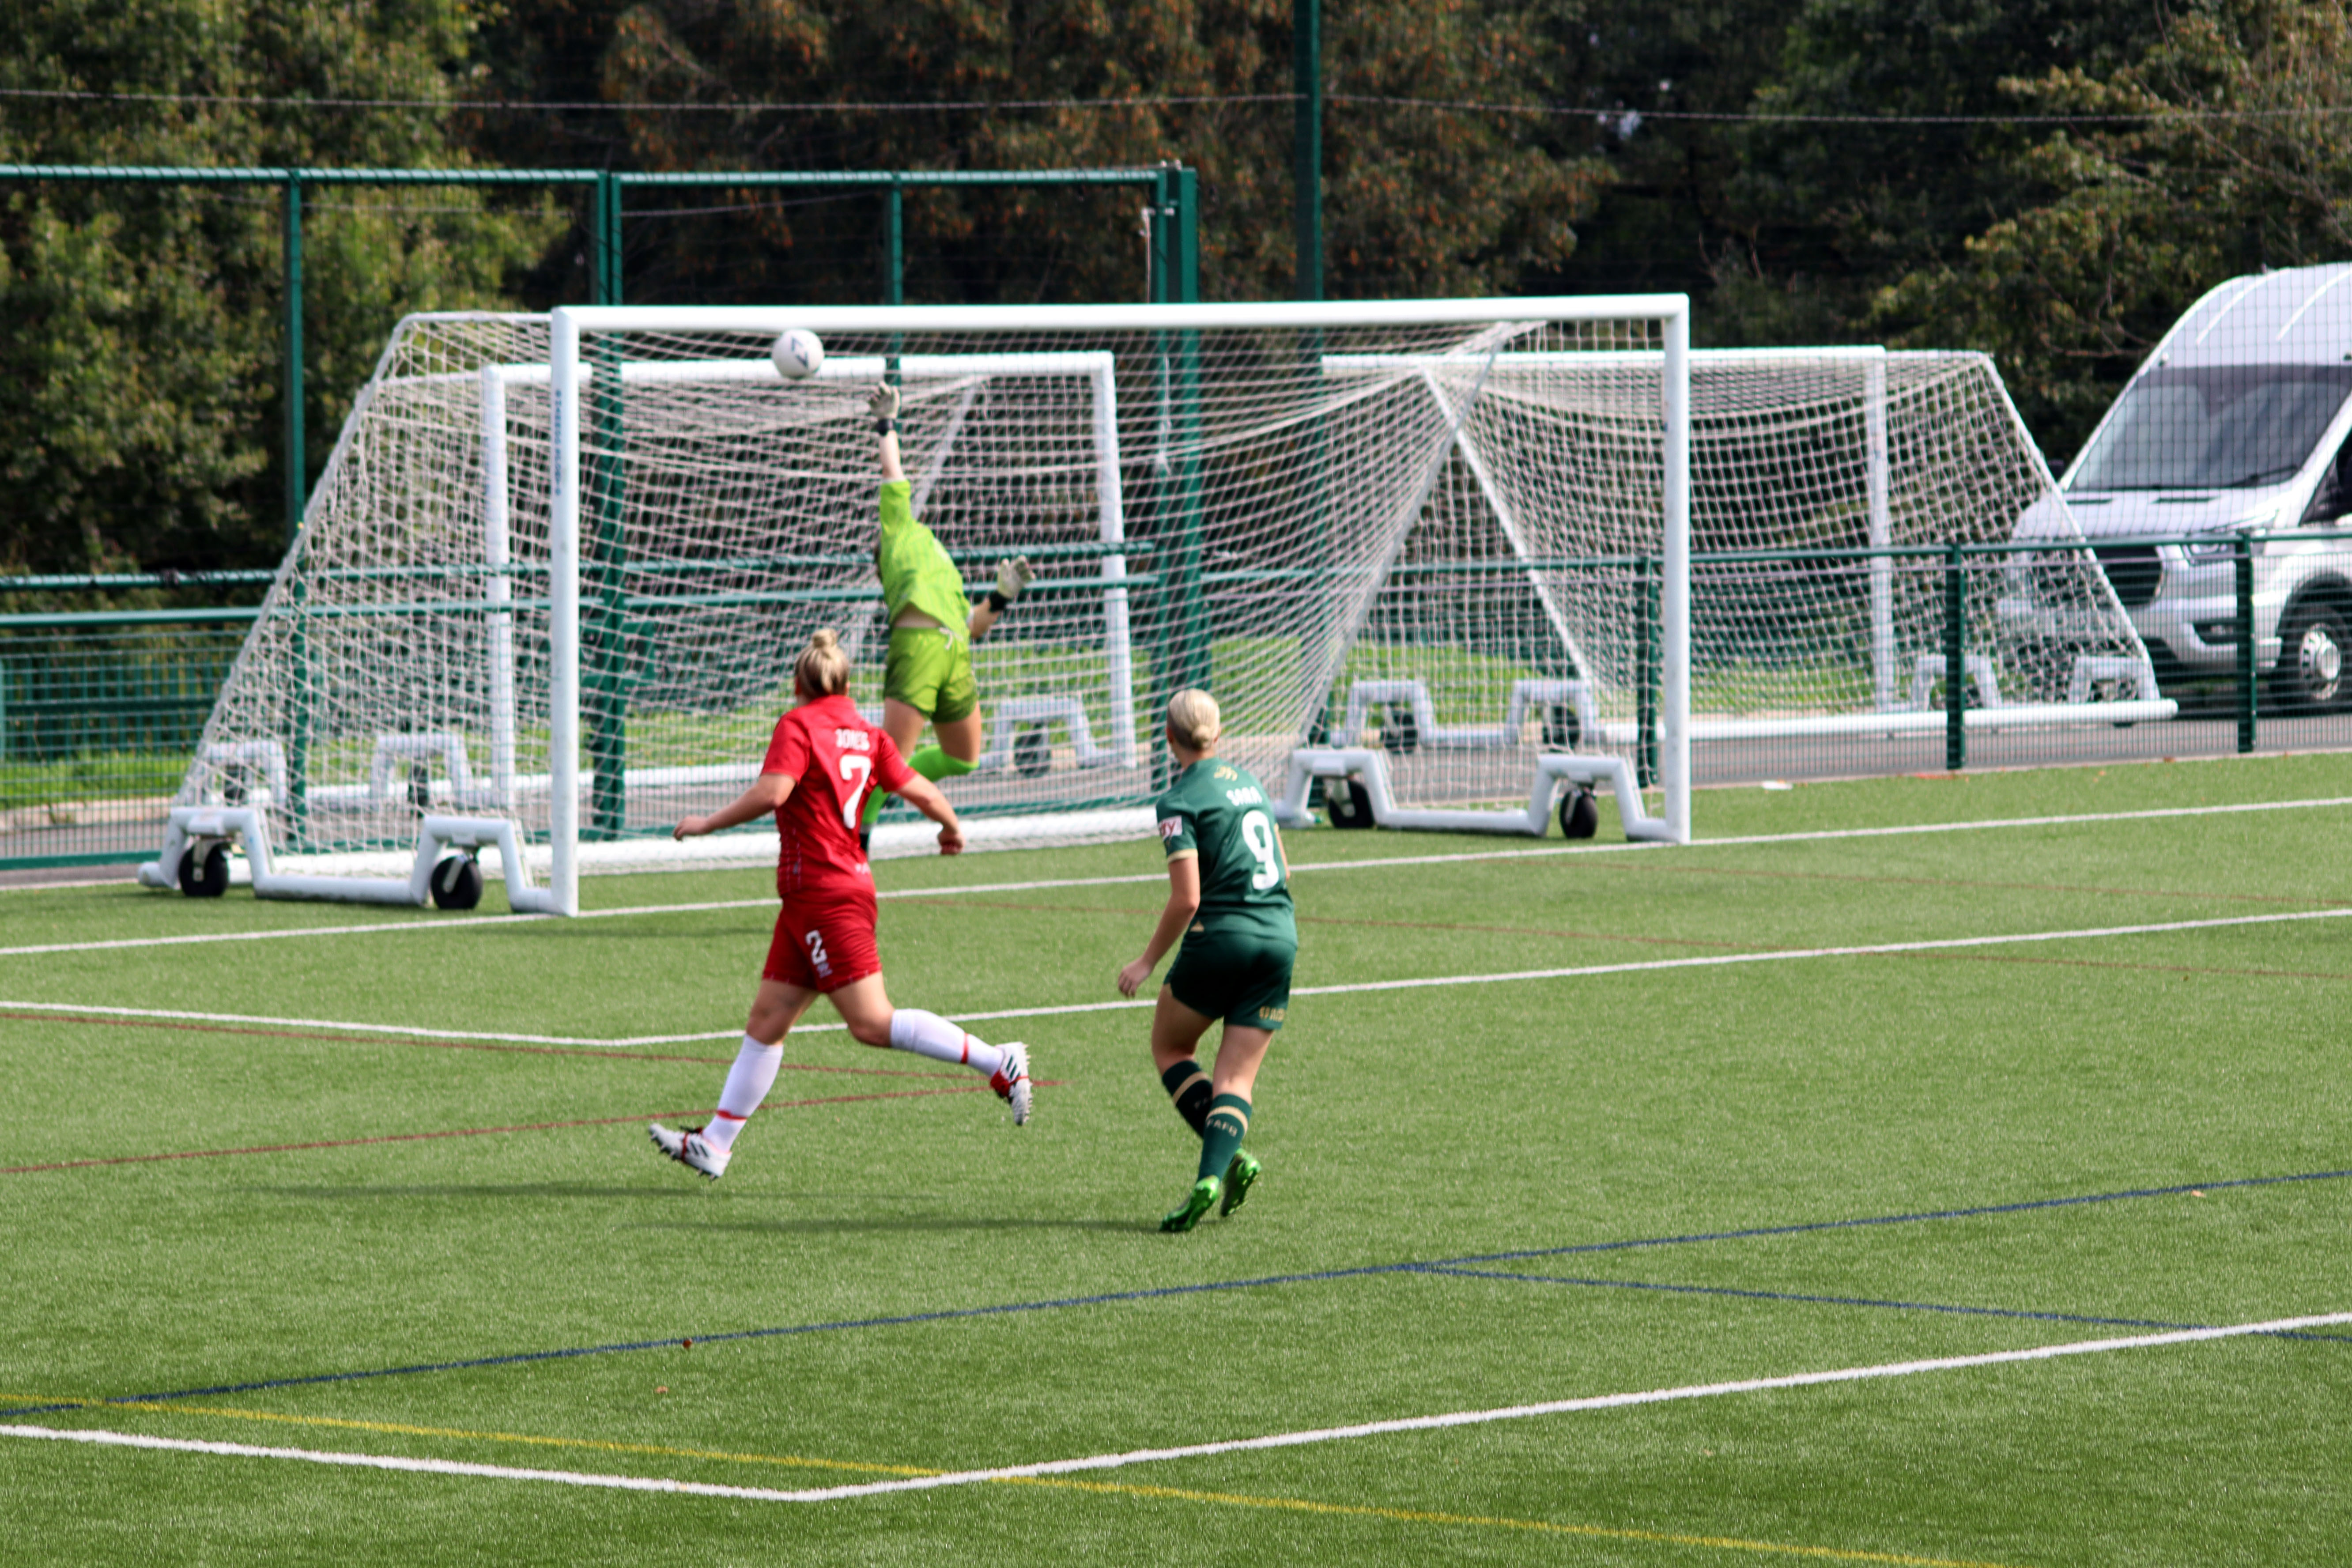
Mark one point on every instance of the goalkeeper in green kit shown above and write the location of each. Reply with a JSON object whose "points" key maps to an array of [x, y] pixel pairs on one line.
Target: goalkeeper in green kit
{"points": [[926, 675]]}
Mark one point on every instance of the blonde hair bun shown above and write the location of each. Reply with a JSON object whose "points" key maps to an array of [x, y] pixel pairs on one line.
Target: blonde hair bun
{"points": [[823, 668], [1193, 719]]}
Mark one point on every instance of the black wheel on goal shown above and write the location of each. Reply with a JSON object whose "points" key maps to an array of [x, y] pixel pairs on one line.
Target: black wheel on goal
{"points": [[1032, 752], [1350, 802], [1561, 728], [1579, 814], [457, 882], [420, 788], [1400, 732], [206, 877]]}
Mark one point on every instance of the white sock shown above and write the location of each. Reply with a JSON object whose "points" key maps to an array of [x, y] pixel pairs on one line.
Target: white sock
{"points": [[748, 1082], [929, 1035]]}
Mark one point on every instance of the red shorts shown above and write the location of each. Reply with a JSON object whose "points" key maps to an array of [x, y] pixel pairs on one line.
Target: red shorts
{"points": [[823, 945]]}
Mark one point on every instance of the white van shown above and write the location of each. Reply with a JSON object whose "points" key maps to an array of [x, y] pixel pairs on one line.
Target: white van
{"points": [[2239, 421]]}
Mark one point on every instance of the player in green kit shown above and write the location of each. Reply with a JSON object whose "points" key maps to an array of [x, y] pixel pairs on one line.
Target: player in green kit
{"points": [[1229, 900], [927, 675]]}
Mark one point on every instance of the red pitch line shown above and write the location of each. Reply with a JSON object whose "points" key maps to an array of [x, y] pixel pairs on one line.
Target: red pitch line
{"points": [[595, 1051], [463, 1132]]}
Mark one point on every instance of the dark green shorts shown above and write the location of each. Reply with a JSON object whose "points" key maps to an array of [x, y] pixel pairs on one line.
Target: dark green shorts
{"points": [[1242, 976]]}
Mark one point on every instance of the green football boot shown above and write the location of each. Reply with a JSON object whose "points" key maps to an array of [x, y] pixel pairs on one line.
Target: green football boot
{"points": [[1198, 1202], [1240, 1173]]}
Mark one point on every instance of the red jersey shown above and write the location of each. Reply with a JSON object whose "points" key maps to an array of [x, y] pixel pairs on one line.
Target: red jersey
{"points": [[839, 759]]}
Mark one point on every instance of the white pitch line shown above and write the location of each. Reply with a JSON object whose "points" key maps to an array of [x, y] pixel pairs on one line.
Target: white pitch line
{"points": [[175, 1015], [1705, 961], [483, 922], [1191, 1451]]}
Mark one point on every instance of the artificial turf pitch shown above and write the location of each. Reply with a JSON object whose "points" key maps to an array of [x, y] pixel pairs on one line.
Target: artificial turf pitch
{"points": [[393, 1287]]}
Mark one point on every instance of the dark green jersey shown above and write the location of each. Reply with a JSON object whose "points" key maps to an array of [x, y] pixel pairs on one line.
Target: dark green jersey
{"points": [[1220, 813]]}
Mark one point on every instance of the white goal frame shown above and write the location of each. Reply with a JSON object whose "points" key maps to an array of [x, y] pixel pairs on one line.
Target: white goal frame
{"points": [[569, 323]]}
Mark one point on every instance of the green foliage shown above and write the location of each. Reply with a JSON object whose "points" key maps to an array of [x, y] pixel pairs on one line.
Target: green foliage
{"points": [[2134, 221], [1417, 202], [141, 326]]}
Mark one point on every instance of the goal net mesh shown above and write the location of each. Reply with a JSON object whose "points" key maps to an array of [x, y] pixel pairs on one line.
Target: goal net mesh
{"points": [[1445, 540]]}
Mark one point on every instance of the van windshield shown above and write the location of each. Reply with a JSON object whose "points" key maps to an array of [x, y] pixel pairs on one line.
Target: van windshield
{"points": [[2214, 428]]}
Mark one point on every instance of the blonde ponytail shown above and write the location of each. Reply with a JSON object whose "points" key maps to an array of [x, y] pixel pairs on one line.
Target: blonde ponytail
{"points": [[823, 668]]}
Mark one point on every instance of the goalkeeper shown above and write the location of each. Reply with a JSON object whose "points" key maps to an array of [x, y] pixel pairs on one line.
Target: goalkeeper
{"points": [[926, 675]]}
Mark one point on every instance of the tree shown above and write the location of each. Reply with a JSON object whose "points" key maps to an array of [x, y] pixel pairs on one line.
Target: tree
{"points": [[2234, 155], [1416, 202], [140, 333]]}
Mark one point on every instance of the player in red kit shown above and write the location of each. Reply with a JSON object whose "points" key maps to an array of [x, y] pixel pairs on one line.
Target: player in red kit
{"points": [[821, 765]]}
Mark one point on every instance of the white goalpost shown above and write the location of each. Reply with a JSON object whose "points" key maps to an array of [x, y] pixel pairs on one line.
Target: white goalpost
{"points": [[1445, 564]]}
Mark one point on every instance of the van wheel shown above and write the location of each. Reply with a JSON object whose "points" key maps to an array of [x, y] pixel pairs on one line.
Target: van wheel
{"points": [[2312, 677]]}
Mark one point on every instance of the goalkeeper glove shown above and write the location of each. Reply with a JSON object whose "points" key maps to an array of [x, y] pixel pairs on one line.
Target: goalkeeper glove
{"points": [[883, 404], [1012, 574]]}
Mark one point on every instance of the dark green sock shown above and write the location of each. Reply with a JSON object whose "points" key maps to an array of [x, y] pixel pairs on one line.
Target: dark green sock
{"points": [[1188, 1085], [1222, 1135]]}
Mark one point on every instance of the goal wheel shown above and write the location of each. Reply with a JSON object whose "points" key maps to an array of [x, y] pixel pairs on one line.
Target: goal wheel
{"points": [[1351, 807], [1561, 727], [1579, 815], [420, 788], [206, 877], [457, 882], [1032, 752]]}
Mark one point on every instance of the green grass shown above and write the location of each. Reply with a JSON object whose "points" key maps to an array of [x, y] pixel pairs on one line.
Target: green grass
{"points": [[1397, 1127]]}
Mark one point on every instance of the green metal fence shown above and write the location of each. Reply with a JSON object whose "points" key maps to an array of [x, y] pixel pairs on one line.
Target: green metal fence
{"points": [[101, 710]]}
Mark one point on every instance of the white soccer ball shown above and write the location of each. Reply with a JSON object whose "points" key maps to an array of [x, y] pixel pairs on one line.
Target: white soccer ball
{"points": [[797, 354]]}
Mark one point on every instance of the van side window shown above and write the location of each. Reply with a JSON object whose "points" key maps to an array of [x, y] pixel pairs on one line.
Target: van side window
{"points": [[2334, 498]]}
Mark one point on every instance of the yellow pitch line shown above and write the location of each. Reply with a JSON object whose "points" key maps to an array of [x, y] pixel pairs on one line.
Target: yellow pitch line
{"points": [[1418, 1516], [1173, 1494]]}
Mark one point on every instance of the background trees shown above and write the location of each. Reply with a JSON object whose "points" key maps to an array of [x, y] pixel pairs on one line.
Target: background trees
{"points": [[1810, 170]]}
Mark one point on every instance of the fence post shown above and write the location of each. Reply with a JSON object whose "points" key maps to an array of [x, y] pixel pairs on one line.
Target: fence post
{"points": [[297, 479], [894, 281], [1956, 660], [2249, 666]]}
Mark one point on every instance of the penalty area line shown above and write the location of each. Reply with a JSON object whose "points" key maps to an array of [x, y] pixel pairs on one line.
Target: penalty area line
{"points": [[484, 922], [1097, 1462]]}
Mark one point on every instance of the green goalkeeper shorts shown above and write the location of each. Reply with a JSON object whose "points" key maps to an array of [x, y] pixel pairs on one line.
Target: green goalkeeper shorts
{"points": [[1242, 976], [929, 669]]}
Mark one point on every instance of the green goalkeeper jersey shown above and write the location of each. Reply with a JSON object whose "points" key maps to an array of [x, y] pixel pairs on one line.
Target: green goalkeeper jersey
{"points": [[1220, 813], [916, 571]]}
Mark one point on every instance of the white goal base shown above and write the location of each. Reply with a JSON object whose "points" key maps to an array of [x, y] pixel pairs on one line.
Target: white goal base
{"points": [[1341, 762], [195, 830]]}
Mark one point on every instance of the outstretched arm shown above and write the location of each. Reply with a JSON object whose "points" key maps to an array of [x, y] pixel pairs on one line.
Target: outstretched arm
{"points": [[1012, 574], [924, 796], [768, 792], [883, 404], [1183, 903]]}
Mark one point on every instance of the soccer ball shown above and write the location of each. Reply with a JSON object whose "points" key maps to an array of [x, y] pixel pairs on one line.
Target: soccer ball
{"points": [[797, 354]]}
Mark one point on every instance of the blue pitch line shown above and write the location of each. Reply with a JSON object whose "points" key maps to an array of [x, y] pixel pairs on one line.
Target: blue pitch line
{"points": [[1057, 1304], [1695, 1236]]}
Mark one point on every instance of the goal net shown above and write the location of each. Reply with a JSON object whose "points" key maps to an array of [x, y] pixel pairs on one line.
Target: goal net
{"points": [[558, 568]]}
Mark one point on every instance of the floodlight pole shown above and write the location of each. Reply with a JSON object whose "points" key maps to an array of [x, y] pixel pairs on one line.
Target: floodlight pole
{"points": [[1307, 144], [298, 476]]}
